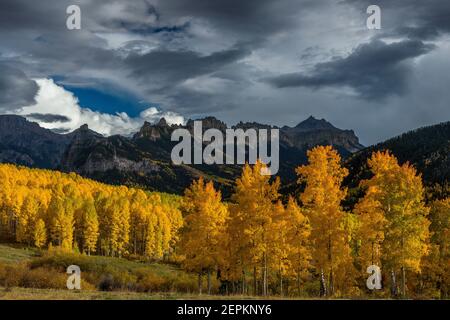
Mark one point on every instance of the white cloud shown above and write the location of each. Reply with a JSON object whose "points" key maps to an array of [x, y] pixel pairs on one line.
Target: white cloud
{"points": [[54, 99]]}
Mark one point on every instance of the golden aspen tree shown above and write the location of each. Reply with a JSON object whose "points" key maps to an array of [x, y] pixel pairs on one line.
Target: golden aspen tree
{"points": [[102, 203], [26, 220], [138, 214], [5, 192], [159, 236], [234, 251], [255, 197], [370, 230], [205, 219], [79, 202], [322, 199], [399, 193], [280, 248], [165, 232], [17, 199], [40, 234], [111, 224], [437, 263], [123, 221], [149, 235], [90, 228], [62, 223], [175, 222], [298, 237]]}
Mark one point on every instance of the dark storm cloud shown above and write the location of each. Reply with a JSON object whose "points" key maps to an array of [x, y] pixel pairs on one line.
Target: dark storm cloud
{"points": [[48, 117], [22, 14], [162, 68], [16, 89], [61, 130], [188, 56], [127, 18], [374, 70], [252, 20], [416, 19], [58, 51], [377, 70]]}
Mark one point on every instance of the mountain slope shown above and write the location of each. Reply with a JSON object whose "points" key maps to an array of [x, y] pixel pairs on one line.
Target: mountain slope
{"points": [[26, 143], [428, 149], [145, 159]]}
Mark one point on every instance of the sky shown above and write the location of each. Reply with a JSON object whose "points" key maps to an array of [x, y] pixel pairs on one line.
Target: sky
{"points": [[274, 62]]}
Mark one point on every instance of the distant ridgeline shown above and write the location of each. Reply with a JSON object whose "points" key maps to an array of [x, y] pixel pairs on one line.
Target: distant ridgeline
{"points": [[427, 149], [143, 160]]}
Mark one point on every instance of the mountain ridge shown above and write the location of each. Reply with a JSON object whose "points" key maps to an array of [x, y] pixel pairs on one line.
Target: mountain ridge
{"points": [[427, 148], [144, 158]]}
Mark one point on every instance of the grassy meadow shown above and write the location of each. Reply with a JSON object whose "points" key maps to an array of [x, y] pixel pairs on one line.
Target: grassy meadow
{"points": [[27, 273]]}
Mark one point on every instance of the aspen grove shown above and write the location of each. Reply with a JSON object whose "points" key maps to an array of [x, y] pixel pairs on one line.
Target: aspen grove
{"points": [[257, 242]]}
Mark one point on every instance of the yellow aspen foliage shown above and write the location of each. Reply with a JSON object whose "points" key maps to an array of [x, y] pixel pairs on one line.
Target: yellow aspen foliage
{"points": [[138, 221], [280, 249], [149, 236], [62, 222], [90, 228], [76, 211], [40, 234], [233, 249], [123, 225], [255, 198], [370, 232], [298, 238], [175, 222], [397, 191], [26, 220], [110, 222], [437, 263], [205, 221], [322, 199]]}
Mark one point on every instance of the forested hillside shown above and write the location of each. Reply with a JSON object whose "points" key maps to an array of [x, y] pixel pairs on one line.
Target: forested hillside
{"points": [[428, 149], [254, 244], [43, 207]]}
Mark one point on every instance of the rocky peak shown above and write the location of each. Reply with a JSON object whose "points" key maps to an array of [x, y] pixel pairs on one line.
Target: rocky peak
{"points": [[84, 133], [162, 123], [208, 123], [153, 131], [312, 132], [253, 125], [313, 124]]}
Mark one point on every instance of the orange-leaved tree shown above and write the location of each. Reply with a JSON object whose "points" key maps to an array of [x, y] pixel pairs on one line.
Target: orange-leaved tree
{"points": [[322, 197], [205, 222]]}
